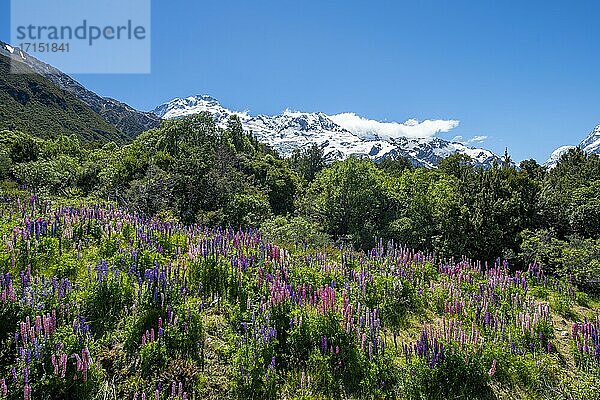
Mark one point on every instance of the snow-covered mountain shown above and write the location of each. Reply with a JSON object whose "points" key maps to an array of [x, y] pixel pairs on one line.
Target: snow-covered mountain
{"points": [[556, 155], [591, 145], [338, 135]]}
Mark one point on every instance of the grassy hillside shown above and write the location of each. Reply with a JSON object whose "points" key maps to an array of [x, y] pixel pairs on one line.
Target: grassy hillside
{"points": [[32, 104], [99, 303]]}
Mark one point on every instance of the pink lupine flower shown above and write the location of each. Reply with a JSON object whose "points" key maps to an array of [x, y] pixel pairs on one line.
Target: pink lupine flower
{"points": [[492, 370], [54, 364], [27, 392], [63, 365]]}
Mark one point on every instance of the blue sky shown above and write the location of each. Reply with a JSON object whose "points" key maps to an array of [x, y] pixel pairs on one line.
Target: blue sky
{"points": [[523, 73]]}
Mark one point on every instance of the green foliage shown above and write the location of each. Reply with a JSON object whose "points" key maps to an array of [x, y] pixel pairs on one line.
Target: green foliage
{"points": [[424, 203], [280, 182], [575, 259], [33, 104], [153, 357], [395, 166], [569, 200], [201, 173], [293, 231], [533, 170], [348, 199], [308, 162], [458, 376], [105, 303], [458, 165]]}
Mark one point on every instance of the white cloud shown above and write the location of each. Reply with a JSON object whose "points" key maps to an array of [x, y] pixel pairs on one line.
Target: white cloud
{"points": [[473, 140], [478, 139], [412, 128]]}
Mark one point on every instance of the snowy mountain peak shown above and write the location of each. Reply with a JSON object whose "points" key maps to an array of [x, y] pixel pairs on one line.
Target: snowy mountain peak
{"points": [[340, 136], [11, 52], [556, 155], [179, 107], [591, 145]]}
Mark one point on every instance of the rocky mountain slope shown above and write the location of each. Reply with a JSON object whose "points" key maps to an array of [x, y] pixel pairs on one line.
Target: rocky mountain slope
{"points": [[31, 103], [123, 117]]}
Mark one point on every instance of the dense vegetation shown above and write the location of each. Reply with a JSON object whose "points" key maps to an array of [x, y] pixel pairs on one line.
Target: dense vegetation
{"points": [[115, 285], [194, 172]]}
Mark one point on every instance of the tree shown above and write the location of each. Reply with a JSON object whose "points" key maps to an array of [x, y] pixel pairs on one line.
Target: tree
{"points": [[308, 161], [348, 199], [456, 164], [575, 259], [395, 166], [570, 199], [426, 211], [496, 204], [533, 170], [506, 160], [235, 129], [280, 182]]}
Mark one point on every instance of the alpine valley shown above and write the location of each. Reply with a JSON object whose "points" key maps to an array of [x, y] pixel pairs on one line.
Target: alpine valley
{"points": [[203, 251]]}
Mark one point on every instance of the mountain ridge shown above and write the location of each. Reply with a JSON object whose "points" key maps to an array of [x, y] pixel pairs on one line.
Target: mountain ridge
{"points": [[292, 130], [33, 104], [125, 118]]}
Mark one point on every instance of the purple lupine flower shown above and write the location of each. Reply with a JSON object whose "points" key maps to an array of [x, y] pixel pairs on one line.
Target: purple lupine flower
{"points": [[324, 344]]}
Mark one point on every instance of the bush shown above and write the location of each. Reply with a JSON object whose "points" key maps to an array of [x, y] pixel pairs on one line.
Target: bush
{"points": [[294, 231]]}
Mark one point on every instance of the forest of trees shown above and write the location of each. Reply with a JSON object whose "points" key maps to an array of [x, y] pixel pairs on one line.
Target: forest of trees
{"points": [[192, 171]]}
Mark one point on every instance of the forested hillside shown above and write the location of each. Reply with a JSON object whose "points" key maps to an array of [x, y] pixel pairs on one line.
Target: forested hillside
{"points": [[33, 104]]}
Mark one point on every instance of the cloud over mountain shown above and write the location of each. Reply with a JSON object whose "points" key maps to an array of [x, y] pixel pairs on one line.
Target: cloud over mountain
{"points": [[372, 129]]}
